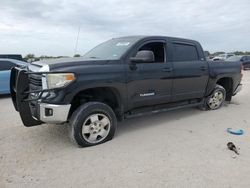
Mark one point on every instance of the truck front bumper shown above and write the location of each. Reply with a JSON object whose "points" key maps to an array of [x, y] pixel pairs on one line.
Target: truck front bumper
{"points": [[53, 113]]}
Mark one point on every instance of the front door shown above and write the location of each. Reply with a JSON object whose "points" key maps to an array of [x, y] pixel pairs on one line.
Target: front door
{"points": [[150, 83]]}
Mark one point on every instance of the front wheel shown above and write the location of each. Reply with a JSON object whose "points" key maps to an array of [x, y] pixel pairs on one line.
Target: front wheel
{"points": [[217, 98], [92, 123]]}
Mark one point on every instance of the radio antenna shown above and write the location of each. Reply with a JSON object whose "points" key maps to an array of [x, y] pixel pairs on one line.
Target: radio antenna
{"points": [[77, 38]]}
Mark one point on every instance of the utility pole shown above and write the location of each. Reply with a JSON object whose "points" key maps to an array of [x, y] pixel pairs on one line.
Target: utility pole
{"points": [[77, 38]]}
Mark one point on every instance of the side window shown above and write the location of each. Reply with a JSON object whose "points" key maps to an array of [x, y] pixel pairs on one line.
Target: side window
{"points": [[244, 58], [185, 52], [157, 48], [6, 65]]}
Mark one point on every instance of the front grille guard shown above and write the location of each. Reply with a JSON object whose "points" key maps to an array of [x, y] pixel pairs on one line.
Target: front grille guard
{"points": [[20, 94], [39, 93]]}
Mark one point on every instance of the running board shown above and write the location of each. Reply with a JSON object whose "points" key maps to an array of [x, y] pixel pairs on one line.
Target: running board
{"points": [[156, 111]]}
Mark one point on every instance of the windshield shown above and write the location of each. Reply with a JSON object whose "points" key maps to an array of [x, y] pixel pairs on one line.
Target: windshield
{"points": [[234, 58], [112, 49]]}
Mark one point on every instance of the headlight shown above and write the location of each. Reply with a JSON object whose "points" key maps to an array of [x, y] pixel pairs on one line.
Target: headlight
{"points": [[56, 80]]}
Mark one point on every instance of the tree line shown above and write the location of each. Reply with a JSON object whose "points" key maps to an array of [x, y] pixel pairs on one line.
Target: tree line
{"points": [[207, 53], [32, 57]]}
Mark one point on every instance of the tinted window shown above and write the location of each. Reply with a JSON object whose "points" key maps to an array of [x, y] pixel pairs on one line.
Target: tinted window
{"points": [[244, 58], [6, 65], [157, 48], [185, 52], [12, 56]]}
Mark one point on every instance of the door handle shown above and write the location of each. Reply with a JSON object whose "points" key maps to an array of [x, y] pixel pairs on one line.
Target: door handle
{"points": [[167, 69], [203, 68]]}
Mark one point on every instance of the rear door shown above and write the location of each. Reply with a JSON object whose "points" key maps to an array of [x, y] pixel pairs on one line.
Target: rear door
{"points": [[190, 71], [150, 83]]}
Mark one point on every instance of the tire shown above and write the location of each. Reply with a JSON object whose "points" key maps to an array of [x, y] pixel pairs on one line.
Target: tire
{"points": [[92, 123], [216, 99]]}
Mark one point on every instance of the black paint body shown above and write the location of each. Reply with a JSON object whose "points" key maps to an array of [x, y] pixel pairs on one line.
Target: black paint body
{"points": [[169, 81]]}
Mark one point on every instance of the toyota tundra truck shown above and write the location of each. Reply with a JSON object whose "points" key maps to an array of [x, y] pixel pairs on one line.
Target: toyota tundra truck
{"points": [[121, 78]]}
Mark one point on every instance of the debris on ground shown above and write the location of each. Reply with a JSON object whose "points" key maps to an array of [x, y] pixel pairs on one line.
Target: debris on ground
{"points": [[232, 147], [235, 132]]}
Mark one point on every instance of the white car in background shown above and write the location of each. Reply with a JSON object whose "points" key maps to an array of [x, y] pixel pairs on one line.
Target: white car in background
{"points": [[223, 56]]}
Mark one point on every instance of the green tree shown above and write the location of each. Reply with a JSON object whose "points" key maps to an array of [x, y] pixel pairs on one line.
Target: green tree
{"points": [[218, 53], [77, 55], [29, 58]]}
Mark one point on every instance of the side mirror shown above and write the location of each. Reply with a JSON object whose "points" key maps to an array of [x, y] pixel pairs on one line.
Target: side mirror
{"points": [[143, 56]]}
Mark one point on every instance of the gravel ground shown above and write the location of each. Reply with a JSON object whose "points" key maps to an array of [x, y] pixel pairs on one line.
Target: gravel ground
{"points": [[184, 148]]}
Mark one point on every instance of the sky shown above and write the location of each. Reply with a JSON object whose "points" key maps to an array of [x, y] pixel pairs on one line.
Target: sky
{"points": [[50, 27]]}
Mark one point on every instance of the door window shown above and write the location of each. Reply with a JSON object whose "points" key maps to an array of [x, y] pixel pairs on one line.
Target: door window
{"points": [[6, 65], [157, 48], [185, 52], [244, 58]]}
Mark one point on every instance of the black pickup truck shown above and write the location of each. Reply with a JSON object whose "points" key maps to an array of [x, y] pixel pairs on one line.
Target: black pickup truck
{"points": [[121, 78]]}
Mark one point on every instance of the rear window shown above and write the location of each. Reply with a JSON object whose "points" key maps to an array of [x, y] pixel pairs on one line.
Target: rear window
{"points": [[6, 65], [185, 52]]}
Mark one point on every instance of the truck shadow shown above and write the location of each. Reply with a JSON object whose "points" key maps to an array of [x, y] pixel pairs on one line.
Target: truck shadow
{"points": [[161, 119], [60, 133], [4, 96], [50, 136]]}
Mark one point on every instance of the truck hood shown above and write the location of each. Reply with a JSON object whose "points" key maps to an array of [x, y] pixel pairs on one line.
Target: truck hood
{"points": [[68, 62]]}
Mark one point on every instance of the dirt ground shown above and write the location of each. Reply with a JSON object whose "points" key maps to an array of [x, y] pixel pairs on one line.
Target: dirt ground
{"points": [[184, 148]]}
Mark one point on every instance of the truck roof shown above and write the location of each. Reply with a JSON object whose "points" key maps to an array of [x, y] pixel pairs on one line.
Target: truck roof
{"points": [[140, 37]]}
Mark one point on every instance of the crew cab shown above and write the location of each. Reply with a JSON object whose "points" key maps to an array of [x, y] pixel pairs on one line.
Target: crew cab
{"points": [[121, 78]]}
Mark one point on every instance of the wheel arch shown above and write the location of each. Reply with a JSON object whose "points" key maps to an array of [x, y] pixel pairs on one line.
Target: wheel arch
{"points": [[108, 95], [227, 83]]}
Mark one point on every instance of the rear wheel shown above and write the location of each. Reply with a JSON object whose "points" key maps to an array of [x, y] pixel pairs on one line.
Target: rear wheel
{"points": [[92, 123], [217, 98]]}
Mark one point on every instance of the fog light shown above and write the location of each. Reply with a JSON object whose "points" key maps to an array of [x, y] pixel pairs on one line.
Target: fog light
{"points": [[48, 112]]}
